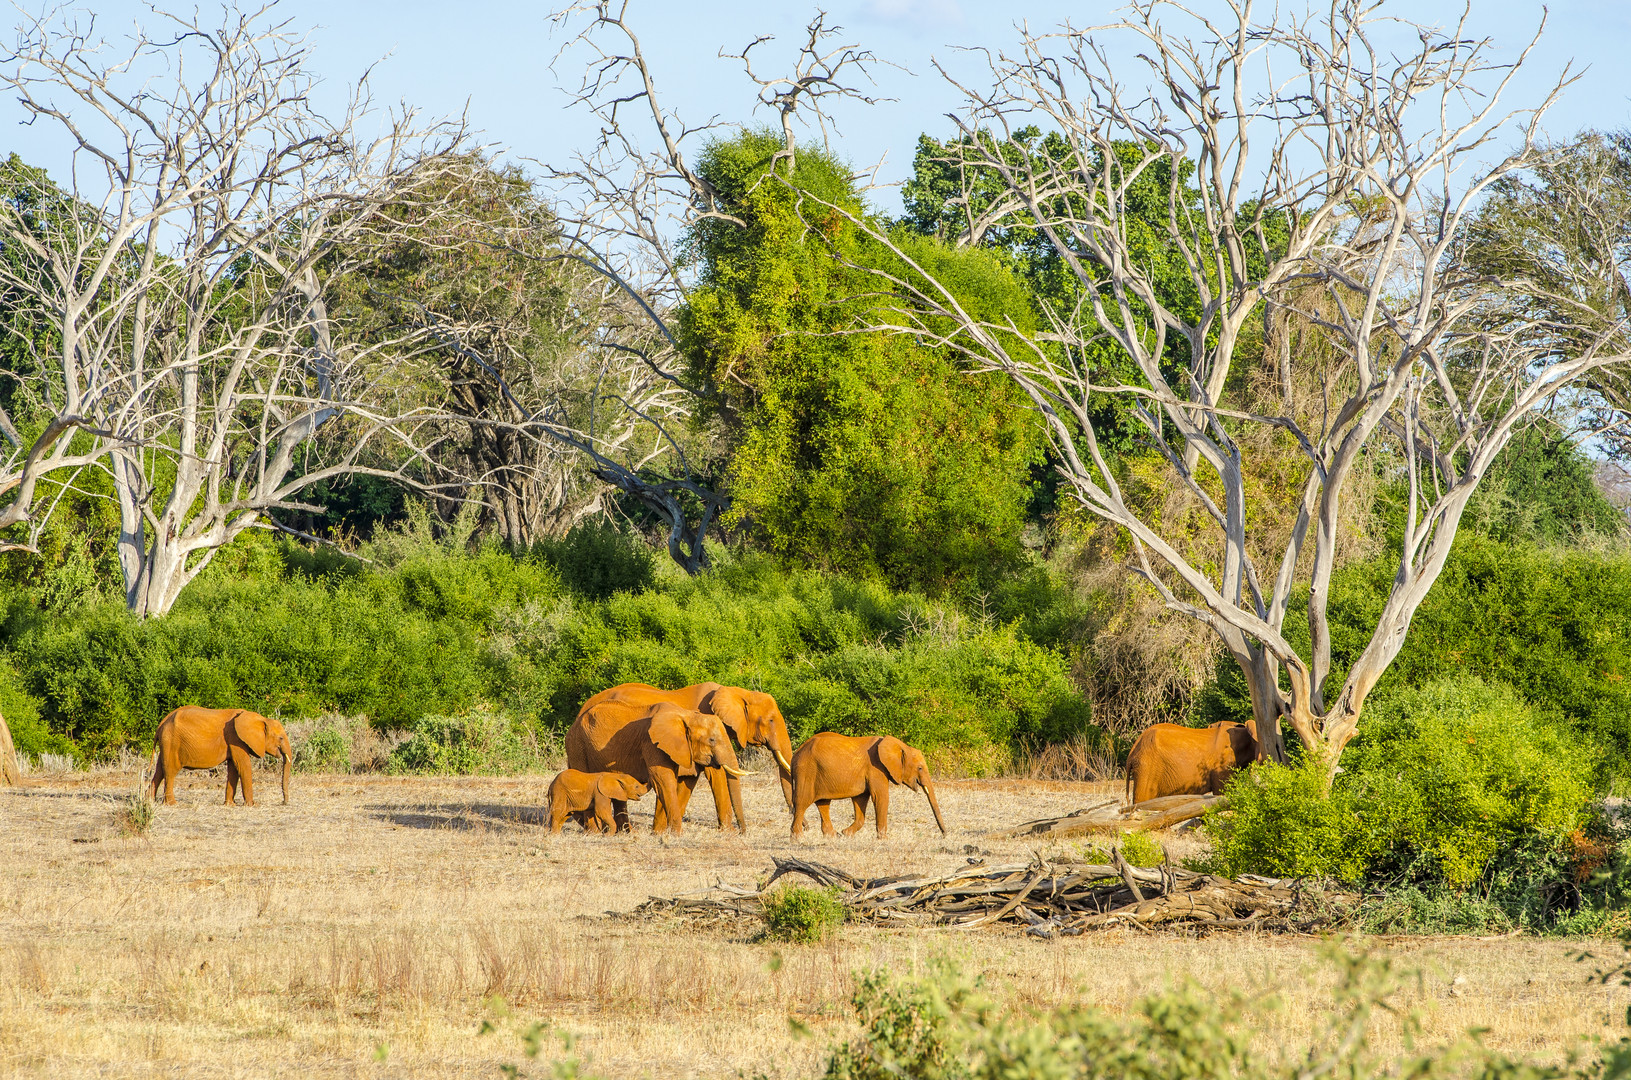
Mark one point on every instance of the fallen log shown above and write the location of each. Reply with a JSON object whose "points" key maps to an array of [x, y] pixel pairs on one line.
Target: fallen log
{"points": [[1162, 813]]}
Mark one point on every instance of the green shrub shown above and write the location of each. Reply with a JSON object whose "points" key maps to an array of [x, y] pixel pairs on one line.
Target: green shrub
{"points": [[325, 750], [1552, 623], [1454, 784], [944, 1027], [800, 915], [596, 560], [1139, 848], [480, 742]]}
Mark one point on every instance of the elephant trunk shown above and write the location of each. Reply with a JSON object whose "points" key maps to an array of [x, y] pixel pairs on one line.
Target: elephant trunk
{"points": [[734, 786], [934, 803], [781, 748], [287, 758]]}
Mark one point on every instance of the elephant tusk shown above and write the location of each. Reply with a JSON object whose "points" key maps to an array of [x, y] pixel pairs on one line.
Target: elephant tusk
{"points": [[735, 772], [783, 762]]}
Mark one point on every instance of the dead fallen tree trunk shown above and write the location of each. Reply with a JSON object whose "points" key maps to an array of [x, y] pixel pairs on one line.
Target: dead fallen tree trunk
{"points": [[1048, 898], [1162, 813]]}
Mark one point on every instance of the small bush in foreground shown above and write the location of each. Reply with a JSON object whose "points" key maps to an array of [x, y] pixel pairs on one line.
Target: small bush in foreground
{"points": [[801, 916], [944, 1027], [1139, 848]]}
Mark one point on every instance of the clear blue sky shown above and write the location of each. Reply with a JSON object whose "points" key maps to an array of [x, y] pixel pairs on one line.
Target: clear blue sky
{"points": [[493, 57]]}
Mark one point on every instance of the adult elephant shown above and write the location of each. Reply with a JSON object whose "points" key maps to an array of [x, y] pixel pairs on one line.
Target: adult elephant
{"points": [[664, 747], [195, 738], [1170, 759], [752, 718]]}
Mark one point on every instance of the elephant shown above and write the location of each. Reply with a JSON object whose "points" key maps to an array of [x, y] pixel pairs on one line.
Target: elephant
{"points": [[1170, 759], [197, 738], [829, 766], [751, 717], [663, 748], [587, 798]]}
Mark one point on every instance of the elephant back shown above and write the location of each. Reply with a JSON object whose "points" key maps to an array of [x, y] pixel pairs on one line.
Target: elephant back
{"points": [[610, 738]]}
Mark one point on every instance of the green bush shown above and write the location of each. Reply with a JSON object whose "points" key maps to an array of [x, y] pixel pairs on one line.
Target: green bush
{"points": [[480, 742], [800, 915], [324, 750], [596, 560], [1139, 848], [1552, 623], [1458, 783], [943, 1026]]}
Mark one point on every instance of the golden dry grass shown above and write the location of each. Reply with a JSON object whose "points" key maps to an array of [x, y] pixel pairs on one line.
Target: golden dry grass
{"points": [[376, 917]]}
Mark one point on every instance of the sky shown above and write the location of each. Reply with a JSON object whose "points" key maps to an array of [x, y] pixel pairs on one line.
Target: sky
{"points": [[491, 60]]}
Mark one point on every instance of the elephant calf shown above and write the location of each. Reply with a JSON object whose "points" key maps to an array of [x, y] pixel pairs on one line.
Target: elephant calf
{"points": [[587, 797], [830, 766]]}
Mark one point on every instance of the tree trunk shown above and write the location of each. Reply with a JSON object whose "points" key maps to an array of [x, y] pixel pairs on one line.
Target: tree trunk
{"points": [[10, 774]]}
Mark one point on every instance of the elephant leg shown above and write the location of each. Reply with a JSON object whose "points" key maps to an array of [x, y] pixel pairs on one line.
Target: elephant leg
{"points": [[800, 808], [826, 818], [158, 775], [683, 787], [246, 773], [232, 779], [620, 815], [668, 798], [880, 805], [860, 802], [601, 815], [722, 798]]}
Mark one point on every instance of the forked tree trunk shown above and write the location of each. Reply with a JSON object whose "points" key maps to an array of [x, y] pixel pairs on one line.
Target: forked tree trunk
{"points": [[10, 774]]}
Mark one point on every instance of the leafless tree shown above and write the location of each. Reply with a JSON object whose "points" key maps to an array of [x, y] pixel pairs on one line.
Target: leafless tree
{"points": [[1325, 165], [186, 291]]}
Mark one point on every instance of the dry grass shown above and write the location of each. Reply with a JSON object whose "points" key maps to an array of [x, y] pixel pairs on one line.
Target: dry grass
{"points": [[378, 916]]}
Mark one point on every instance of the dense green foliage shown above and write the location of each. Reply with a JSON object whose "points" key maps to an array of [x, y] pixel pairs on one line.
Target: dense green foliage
{"points": [[1457, 785], [429, 631], [1554, 623], [858, 451]]}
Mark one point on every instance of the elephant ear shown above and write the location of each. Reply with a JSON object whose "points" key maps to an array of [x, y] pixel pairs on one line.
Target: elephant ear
{"points": [[251, 728], [727, 703], [668, 734], [892, 756], [621, 786]]}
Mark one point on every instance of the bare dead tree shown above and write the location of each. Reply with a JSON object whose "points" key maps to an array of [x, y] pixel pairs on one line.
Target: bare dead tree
{"points": [[187, 293], [1300, 156]]}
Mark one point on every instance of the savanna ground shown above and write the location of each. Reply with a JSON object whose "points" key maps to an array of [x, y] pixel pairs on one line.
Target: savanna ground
{"points": [[369, 928]]}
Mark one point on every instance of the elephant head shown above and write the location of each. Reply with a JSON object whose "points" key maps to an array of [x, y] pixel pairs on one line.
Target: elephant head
{"points": [[755, 720], [258, 734], [616, 785], [693, 740], [906, 765]]}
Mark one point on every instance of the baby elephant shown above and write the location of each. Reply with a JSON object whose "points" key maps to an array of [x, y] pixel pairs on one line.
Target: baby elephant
{"points": [[587, 797], [830, 766]]}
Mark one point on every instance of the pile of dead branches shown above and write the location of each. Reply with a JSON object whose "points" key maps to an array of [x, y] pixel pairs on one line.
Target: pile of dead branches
{"points": [[1048, 898]]}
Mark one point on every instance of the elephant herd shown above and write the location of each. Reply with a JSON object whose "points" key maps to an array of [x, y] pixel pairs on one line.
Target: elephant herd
{"points": [[626, 741], [633, 739], [636, 738]]}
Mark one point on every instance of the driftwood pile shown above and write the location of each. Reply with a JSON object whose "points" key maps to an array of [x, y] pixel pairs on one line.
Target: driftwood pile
{"points": [[1048, 898]]}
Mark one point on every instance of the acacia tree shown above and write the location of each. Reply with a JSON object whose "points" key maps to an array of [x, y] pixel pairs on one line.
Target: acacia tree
{"points": [[1334, 175], [186, 294]]}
